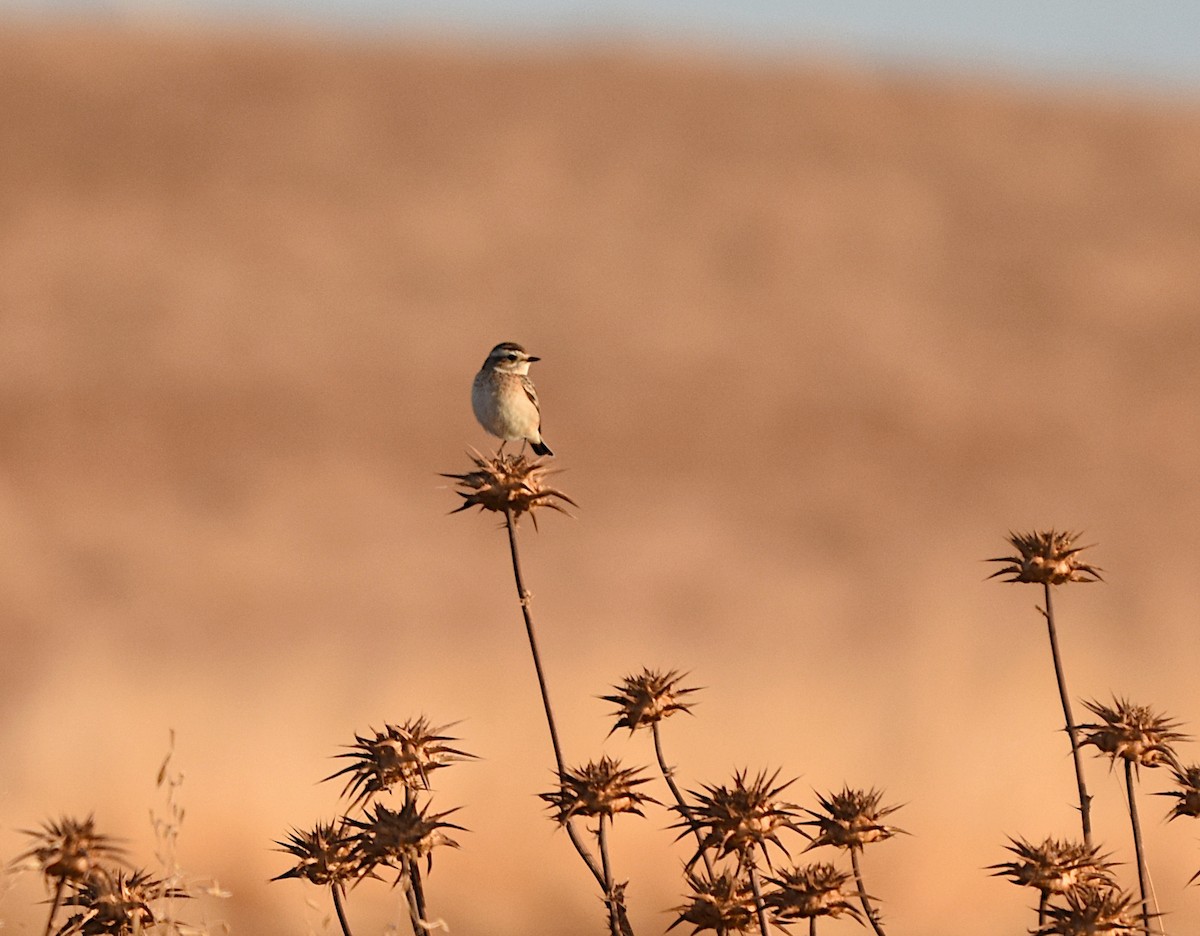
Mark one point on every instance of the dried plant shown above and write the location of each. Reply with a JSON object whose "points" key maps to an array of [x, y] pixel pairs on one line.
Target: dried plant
{"points": [[723, 903], [400, 838], [328, 856], [66, 853], [1055, 867], [115, 903], [401, 755], [1187, 796], [512, 485], [1049, 558], [806, 892], [598, 788], [852, 819], [1094, 911]]}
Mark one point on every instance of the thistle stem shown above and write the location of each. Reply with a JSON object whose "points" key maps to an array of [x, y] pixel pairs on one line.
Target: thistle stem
{"points": [[872, 913], [58, 892], [669, 775], [336, 888], [525, 598], [1043, 902], [1137, 846], [759, 905], [610, 900], [812, 926], [414, 873], [1085, 801]]}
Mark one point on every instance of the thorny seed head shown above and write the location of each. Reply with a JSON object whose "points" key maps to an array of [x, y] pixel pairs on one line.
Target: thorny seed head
{"points": [[116, 903], [1187, 779], [1093, 911], [395, 838], [327, 855], [1135, 733], [1046, 557], [736, 819], [68, 850], [810, 891], [1055, 866], [598, 788], [508, 484], [403, 755], [851, 819], [722, 903], [648, 697]]}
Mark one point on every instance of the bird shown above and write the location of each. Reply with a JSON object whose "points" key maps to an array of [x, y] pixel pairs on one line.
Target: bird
{"points": [[504, 400]]}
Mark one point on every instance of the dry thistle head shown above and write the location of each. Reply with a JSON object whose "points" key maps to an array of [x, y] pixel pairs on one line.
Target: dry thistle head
{"points": [[116, 903], [851, 819], [1188, 795], [327, 855], [393, 838], [722, 903], [598, 788], [736, 819], [648, 697], [1055, 866], [1094, 911], [811, 891], [68, 850], [1135, 733], [403, 755], [1046, 557], [508, 484]]}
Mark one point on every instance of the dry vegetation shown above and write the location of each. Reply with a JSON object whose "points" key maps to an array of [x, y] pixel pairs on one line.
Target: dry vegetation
{"points": [[812, 336]]}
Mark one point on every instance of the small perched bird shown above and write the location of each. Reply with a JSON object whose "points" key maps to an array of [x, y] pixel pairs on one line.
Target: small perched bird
{"points": [[504, 400]]}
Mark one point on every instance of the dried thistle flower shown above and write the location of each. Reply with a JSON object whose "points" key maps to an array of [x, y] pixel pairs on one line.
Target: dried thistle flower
{"points": [[598, 788], [1188, 795], [723, 903], [403, 755], [1135, 733], [809, 891], [648, 697], [327, 855], [68, 850], [116, 903], [395, 838], [851, 819], [508, 484], [1046, 557], [1055, 866], [736, 819], [1093, 911]]}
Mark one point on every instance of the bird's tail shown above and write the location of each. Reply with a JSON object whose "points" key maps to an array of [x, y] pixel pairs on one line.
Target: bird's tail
{"points": [[541, 448]]}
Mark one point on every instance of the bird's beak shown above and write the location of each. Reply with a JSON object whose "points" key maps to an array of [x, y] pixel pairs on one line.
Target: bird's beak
{"points": [[531, 358]]}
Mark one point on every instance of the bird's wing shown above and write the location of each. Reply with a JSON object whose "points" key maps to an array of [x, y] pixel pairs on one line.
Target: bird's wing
{"points": [[531, 393]]}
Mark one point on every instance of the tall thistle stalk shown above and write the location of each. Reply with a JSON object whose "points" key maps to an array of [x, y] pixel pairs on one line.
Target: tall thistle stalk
{"points": [[1050, 558], [1141, 738]]}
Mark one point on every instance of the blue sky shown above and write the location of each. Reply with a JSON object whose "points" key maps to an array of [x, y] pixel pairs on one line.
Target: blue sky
{"points": [[1150, 41]]}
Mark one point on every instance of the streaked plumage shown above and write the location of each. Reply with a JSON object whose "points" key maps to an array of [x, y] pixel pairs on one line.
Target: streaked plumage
{"points": [[504, 400]]}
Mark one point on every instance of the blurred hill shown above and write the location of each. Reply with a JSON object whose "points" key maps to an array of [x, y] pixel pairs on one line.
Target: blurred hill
{"points": [[814, 338]]}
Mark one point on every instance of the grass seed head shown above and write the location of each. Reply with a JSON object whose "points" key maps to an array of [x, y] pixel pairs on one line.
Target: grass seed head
{"points": [[68, 850], [1134, 733], [809, 891], [1187, 796], [401, 755], [509, 484], [1046, 557], [598, 788], [737, 819], [1094, 911], [1055, 866], [393, 837], [851, 819], [722, 903], [326, 854], [648, 697]]}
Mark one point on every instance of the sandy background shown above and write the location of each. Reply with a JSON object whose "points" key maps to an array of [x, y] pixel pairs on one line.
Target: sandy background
{"points": [[814, 338]]}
